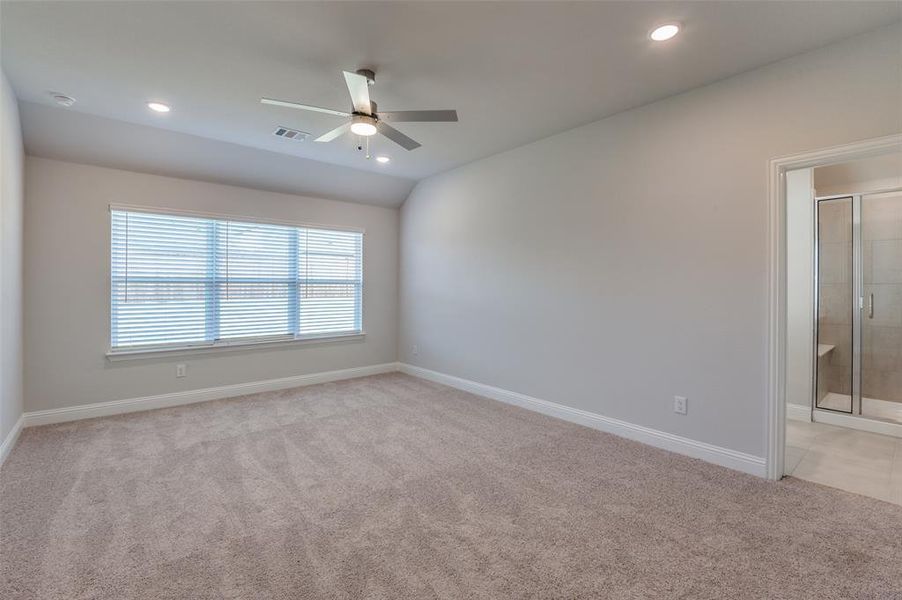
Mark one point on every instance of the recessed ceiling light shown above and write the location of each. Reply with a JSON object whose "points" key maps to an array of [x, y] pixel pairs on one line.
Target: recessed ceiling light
{"points": [[63, 99], [158, 107], [383, 159], [664, 32]]}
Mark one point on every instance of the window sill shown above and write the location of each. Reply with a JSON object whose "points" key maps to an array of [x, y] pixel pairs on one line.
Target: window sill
{"points": [[145, 353]]}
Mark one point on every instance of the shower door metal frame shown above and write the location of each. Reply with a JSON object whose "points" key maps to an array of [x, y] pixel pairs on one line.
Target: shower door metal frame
{"points": [[856, 303]]}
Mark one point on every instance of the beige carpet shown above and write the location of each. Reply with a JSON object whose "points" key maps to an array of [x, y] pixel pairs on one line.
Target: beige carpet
{"points": [[392, 487]]}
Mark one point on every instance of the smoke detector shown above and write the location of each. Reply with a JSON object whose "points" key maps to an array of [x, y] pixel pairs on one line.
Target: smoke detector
{"points": [[291, 134]]}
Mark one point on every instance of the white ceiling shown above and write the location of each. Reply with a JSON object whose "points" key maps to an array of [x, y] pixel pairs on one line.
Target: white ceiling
{"points": [[516, 72]]}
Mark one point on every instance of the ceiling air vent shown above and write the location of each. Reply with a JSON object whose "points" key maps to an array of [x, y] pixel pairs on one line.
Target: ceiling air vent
{"points": [[291, 134]]}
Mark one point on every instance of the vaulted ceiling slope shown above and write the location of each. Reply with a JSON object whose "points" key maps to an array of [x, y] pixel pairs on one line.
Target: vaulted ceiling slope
{"points": [[77, 137], [515, 71]]}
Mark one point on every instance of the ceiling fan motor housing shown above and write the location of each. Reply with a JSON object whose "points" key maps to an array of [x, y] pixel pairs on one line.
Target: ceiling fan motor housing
{"points": [[369, 74]]}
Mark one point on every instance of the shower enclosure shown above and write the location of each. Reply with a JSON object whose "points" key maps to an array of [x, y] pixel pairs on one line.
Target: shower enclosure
{"points": [[858, 305]]}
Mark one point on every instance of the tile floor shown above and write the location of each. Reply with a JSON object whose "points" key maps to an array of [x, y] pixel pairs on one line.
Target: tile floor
{"points": [[856, 461], [874, 409]]}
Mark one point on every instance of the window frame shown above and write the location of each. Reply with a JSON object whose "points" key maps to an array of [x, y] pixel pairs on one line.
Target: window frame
{"points": [[233, 344]]}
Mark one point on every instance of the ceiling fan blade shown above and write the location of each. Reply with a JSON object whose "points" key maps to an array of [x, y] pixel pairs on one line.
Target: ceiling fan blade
{"points": [[421, 116], [359, 88], [286, 104], [331, 135], [397, 137]]}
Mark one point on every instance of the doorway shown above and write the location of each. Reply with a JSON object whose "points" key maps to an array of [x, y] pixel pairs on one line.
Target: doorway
{"points": [[789, 370], [858, 305]]}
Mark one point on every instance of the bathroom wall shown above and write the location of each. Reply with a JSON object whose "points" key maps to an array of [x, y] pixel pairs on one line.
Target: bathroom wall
{"points": [[865, 175]]}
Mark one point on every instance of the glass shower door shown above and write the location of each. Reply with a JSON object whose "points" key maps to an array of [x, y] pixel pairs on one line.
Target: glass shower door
{"points": [[881, 306], [835, 289]]}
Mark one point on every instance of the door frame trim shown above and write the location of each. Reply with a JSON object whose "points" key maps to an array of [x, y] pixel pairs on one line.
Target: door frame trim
{"points": [[775, 413]]}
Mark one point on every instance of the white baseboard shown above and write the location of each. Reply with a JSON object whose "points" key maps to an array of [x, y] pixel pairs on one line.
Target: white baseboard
{"points": [[116, 407], [739, 461], [725, 457], [797, 412], [11, 438]]}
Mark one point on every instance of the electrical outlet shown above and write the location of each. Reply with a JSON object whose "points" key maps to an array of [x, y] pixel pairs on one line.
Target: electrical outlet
{"points": [[415, 350], [181, 370], [680, 405]]}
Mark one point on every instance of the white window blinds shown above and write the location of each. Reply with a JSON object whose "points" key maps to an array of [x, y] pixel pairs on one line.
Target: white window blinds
{"points": [[185, 280]]}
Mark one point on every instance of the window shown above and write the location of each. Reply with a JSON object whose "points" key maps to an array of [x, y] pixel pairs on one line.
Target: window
{"points": [[180, 280]]}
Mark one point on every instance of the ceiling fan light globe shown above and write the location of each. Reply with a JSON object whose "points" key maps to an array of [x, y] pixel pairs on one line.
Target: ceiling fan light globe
{"points": [[365, 126], [366, 129]]}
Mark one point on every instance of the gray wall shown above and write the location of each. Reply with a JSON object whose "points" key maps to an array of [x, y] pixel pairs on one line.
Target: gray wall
{"points": [[67, 285], [615, 265], [11, 198]]}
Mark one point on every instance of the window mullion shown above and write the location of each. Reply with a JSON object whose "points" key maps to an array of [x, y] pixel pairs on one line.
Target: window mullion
{"points": [[294, 308], [358, 277], [212, 286]]}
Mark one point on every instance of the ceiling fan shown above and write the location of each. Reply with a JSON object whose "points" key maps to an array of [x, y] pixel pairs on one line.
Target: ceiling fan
{"points": [[364, 120]]}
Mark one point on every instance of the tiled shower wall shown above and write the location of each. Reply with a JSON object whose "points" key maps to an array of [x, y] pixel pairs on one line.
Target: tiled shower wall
{"points": [[881, 341]]}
